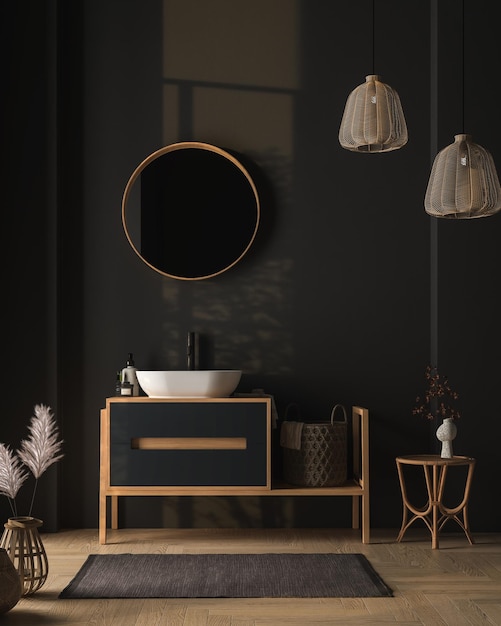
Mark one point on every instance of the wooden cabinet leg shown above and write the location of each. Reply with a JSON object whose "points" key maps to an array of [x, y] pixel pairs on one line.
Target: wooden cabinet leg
{"points": [[102, 519], [365, 519], [114, 512], [355, 512]]}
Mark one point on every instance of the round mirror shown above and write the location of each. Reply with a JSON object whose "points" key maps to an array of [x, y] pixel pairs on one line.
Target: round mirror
{"points": [[190, 211]]}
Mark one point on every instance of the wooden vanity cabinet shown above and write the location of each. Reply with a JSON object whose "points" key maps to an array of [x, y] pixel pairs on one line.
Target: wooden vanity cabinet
{"points": [[205, 446]]}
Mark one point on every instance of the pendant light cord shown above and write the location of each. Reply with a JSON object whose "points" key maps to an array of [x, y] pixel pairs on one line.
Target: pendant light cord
{"points": [[374, 37], [463, 64]]}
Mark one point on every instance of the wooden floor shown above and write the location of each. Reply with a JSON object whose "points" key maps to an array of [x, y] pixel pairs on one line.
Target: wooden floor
{"points": [[457, 585]]}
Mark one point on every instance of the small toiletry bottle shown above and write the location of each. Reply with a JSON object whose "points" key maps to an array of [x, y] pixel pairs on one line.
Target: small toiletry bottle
{"points": [[126, 388], [129, 375], [118, 384]]}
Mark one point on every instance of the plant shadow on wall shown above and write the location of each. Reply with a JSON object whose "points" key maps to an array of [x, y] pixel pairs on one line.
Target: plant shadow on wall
{"points": [[246, 325], [438, 402], [271, 173]]}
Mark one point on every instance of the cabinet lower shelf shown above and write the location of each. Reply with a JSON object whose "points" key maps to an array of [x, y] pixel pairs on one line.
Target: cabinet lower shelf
{"points": [[350, 488]]}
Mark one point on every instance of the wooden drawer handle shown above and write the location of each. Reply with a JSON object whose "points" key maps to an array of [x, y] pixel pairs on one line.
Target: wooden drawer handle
{"points": [[189, 443]]}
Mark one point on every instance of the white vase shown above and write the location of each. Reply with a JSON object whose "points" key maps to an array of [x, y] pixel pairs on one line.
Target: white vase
{"points": [[446, 432]]}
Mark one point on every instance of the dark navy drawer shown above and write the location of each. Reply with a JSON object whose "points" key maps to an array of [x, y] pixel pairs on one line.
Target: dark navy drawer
{"points": [[136, 426]]}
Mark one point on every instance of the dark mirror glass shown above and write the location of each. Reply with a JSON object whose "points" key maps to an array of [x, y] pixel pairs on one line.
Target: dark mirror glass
{"points": [[190, 211]]}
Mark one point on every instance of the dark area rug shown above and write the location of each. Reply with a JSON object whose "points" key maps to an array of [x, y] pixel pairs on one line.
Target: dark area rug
{"points": [[226, 576]]}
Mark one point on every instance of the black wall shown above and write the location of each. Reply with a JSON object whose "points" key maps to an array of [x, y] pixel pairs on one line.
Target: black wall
{"points": [[351, 288]]}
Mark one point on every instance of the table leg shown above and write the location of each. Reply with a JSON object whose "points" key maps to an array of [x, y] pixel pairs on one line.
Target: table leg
{"points": [[434, 495], [462, 508], [427, 513], [403, 490]]}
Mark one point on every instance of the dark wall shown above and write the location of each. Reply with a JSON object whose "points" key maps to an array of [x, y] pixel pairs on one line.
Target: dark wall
{"points": [[29, 231], [350, 290]]}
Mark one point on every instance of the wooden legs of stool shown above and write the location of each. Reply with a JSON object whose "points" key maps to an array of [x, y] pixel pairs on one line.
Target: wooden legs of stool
{"points": [[435, 514]]}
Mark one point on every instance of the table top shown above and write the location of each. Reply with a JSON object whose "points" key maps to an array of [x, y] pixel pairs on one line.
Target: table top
{"points": [[434, 459]]}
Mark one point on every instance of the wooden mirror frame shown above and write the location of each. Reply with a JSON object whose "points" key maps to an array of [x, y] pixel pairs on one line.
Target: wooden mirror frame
{"points": [[252, 217]]}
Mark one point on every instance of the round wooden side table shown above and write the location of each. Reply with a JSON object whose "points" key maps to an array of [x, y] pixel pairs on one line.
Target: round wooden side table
{"points": [[434, 513]]}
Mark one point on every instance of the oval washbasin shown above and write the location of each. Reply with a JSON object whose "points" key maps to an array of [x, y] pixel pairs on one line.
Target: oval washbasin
{"points": [[188, 383]]}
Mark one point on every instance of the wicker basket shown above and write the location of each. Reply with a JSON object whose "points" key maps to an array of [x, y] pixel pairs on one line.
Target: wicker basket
{"points": [[322, 459]]}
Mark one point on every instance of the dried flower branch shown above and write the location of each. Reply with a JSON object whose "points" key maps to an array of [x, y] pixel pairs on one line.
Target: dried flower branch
{"points": [[438, 392], [38, 452]]}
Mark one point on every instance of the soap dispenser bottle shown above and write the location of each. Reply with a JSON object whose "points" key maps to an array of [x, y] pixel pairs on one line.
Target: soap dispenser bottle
{"points": [[129, 374], [118, 384]]}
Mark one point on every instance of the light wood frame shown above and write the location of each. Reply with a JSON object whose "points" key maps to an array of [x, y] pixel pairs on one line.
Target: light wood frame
{"points": [[357, 487]]}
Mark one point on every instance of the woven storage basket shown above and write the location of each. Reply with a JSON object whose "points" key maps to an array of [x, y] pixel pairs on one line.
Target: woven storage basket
{"points": [[322, 459]]}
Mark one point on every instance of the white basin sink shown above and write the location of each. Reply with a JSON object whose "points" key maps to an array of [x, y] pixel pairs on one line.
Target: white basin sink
{"points": [[188, 383]]}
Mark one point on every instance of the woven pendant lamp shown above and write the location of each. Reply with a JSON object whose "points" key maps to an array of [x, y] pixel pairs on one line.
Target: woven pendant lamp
{"points": [[373, 119], [463, 182]]}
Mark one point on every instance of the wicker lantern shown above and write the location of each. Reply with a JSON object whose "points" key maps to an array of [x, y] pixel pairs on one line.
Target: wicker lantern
{"points": [[463, 182], [23, 544], [373, 119]]}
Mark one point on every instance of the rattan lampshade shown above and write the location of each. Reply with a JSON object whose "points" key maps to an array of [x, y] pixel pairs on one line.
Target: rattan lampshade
{"points": [[373, 119], [463, 182]]}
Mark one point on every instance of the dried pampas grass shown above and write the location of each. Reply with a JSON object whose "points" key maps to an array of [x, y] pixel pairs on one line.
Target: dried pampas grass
{"points": [[12, 475], [38, 452], [41, 449]]}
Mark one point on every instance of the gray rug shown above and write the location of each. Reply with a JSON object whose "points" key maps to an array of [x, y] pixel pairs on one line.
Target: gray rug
{"points": [[226, 576]]}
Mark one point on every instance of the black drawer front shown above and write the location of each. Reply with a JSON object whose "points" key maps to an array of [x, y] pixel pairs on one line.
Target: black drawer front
{"points": [[188, 467]]}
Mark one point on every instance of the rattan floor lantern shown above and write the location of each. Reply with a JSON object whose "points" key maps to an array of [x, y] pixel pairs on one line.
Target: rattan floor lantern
{"points": [[373, 119], [463, 183]]}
